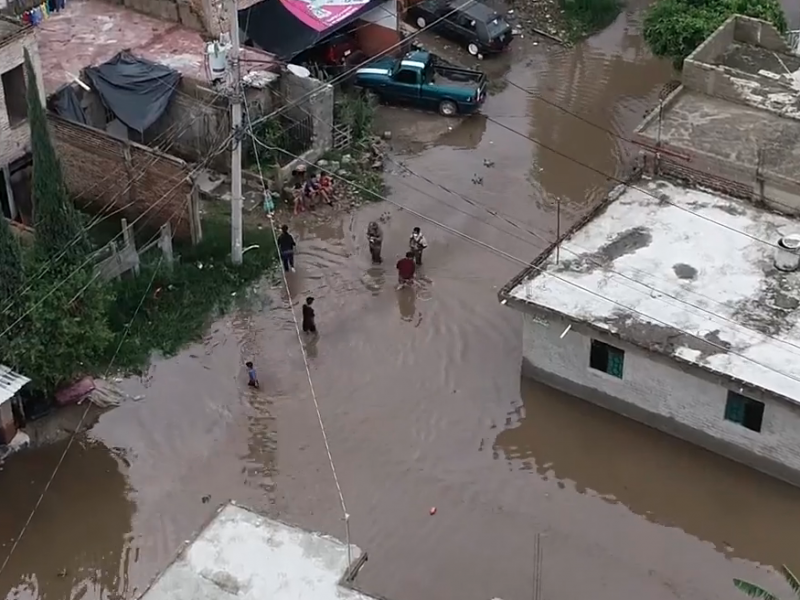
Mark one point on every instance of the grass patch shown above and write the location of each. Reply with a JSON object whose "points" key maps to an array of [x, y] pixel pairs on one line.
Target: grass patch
{"points": [[180, 305], [585, 17]]}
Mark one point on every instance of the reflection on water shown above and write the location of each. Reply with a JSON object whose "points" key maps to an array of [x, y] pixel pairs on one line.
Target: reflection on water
{"points": [[78, 543], [665, 479]]}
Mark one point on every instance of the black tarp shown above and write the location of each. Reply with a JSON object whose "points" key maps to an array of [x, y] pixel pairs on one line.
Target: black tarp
{"points": [[137, 91], [273, 28], [65, 104]]}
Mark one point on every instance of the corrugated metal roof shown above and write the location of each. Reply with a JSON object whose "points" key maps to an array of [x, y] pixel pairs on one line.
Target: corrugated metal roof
{"points": [[10, 383]]}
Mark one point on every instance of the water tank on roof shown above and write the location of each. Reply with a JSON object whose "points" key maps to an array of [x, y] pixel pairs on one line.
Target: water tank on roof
{"points": [[217, 60], [787, 254]]}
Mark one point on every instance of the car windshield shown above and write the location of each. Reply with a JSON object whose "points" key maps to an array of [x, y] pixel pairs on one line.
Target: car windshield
{"points": [[496, 26]]}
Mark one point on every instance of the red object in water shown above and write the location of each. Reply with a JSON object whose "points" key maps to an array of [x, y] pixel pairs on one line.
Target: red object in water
{"points": [[433, 510], [75, 392]]}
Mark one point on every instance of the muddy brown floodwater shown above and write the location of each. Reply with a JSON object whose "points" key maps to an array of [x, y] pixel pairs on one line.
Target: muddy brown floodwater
{"points": [[421, 395]]}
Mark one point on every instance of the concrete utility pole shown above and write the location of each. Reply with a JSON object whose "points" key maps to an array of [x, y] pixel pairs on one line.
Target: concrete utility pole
{"points": [[236, 149]]}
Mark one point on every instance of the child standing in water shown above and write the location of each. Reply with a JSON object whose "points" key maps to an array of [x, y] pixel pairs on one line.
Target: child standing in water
{"points": [[251, 375]]}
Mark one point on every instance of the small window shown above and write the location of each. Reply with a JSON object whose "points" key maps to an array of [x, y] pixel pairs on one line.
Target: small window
{"points": [[744, 411], [606, 358], [407, 76], [14, 92]]}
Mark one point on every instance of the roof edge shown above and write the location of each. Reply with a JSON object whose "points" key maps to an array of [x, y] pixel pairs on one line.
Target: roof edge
{"points": [[534, 269]]}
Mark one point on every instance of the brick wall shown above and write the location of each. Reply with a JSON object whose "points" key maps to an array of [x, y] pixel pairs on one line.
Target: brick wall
{"points": [[685, 401], [15, 141], [101, 170]]}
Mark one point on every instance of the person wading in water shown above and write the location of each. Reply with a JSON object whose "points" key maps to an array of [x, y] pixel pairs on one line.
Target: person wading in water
{"points": [[309, 325], [375, 238], [286, 245], [406, 270], [417, 243]]}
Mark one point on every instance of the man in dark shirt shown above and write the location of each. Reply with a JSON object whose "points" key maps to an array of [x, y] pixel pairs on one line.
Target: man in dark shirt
{"points": [[286, 246], [406, 268], [308, 317]]}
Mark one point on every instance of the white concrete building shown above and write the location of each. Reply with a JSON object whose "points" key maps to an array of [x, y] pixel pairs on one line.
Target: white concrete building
{"points": [[667, 306], [245, 555], [15, 135]]}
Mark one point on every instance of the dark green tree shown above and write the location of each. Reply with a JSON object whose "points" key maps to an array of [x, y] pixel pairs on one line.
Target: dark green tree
{"points": [[11, 273], [675, 28], [60, 237], [62, 330]]}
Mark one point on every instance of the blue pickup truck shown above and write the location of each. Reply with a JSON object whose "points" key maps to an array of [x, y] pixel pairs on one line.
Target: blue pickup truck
{"points": [[417, 80]]}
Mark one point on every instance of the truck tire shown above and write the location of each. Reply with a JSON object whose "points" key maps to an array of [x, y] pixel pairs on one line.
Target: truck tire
{"points": [[473, 49], [421, 22], [448, 108]]}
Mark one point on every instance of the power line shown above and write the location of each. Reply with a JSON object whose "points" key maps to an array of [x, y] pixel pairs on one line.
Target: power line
{"points": [[495, 213], [346, 515], [527, 264], [80, 424], [100, 217]]}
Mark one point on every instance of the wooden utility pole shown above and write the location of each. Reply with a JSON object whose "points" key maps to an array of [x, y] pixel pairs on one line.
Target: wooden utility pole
{"points": [[236, 149]]}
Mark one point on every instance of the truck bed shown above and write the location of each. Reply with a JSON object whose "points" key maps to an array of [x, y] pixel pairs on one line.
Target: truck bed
{"points": [[457, 77]]}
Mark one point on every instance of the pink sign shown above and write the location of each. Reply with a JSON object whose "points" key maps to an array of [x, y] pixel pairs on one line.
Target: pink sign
{"points": [[322, 14]]}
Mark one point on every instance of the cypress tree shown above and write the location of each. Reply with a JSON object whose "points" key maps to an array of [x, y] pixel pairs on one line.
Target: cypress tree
{"points": [[11, 275], [58, 224]]}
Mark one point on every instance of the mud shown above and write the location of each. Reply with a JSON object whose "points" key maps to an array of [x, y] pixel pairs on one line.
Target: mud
{"points": [[421, 396]]}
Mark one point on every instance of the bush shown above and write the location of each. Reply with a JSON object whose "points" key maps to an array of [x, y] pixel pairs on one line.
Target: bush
{"points": [[178, 306], [675, 28], [584, 17]]}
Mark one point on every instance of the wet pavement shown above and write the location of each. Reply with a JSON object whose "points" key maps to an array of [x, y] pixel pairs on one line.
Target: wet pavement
{"points": [[421, 395]]}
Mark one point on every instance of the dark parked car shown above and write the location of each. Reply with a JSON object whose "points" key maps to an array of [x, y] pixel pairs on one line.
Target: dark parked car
{"points": [[480, 29]]}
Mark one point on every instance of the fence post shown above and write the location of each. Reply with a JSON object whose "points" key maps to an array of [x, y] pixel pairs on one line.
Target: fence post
{"points": [[165, 243], [130, 245]]}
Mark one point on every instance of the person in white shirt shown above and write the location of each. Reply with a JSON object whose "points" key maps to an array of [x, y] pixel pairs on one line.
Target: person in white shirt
{"points": [[417, 243]]}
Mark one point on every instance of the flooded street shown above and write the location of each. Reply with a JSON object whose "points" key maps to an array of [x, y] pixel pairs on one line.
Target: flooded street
{"points": [[421, 395]]}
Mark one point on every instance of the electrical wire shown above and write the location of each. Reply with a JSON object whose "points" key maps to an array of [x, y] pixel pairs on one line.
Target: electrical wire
{"points": [[345, 514], [584, 254], [80, 424], [527, 264], [103, 215]]}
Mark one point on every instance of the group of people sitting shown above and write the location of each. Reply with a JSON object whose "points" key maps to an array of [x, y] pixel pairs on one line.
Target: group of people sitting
{"points": [[311, 188]]}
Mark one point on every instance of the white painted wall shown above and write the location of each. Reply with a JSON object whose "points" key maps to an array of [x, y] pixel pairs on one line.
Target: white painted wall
{"points": [[664, 390]]}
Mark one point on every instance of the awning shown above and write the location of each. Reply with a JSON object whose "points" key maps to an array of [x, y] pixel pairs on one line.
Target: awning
{"points": [[10, 383], [287, 27]]}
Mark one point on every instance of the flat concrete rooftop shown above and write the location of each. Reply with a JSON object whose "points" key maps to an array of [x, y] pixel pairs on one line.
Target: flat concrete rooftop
{"points": [[754, 60], [730, 131], [244, 555], [90, 32], [685, 273]]}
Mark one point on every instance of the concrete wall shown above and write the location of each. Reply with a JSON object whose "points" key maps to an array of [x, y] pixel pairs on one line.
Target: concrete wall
{"points": [[198, 121], [15, 141], [759, 33], [702, 74], [313, 98], [664, 394], [104, 171], [189, 13]]}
